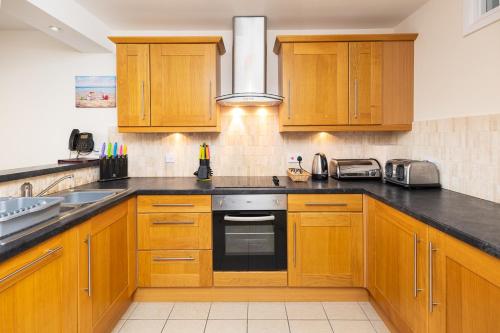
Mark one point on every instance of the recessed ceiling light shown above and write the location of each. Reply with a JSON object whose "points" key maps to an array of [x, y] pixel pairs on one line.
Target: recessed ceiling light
{"points": [[54, 28]]}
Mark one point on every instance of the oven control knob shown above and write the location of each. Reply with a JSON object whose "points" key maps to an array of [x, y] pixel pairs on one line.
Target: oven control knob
{"points": [[277, 202], [221, 202]]}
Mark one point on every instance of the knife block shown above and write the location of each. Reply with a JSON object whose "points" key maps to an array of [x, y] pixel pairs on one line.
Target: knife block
{"points": [[204, 171], [113, 168]]}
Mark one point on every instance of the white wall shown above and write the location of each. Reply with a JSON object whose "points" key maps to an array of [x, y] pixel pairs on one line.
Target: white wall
{"points": [[454, 75], [37, 98]]}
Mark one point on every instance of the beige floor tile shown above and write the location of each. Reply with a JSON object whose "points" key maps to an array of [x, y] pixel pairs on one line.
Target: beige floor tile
{"points": [[118, 326], [266, 310], [151, 310], [186, 310], [226, 326], [369, 311], [228, 310], [184, 326], [344, 310], [380, 327], [142, 326], [352, 326], [130, 309], [305, 310], [268, 326], [310, 326]]}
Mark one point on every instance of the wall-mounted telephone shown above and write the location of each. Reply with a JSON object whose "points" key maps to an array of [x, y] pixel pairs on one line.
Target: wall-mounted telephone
{"points": [[81, 142]]}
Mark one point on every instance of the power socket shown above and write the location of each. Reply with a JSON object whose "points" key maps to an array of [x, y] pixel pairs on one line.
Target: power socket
{"points": [[170, 157], [293, 157]]}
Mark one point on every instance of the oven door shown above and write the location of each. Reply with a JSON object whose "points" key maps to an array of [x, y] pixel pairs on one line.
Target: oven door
{"points": [[249, 241]]}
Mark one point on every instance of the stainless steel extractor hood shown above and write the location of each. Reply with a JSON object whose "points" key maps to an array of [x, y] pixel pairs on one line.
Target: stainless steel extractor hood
{"points": [[249, 64]]}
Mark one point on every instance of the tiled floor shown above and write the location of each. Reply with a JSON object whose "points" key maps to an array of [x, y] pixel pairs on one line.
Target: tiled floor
{"points": [[253, 317]]}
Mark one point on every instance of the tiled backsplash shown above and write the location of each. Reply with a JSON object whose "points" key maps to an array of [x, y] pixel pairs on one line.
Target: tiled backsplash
{"points": [[82, 176], [465, 149]]}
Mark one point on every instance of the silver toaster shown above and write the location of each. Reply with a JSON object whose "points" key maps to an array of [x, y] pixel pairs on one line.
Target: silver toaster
{"points": [[411, 173], [355, 169]]}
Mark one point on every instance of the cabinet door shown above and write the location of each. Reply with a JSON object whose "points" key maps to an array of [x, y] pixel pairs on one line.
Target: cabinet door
{"points": [[132, 69], [103, 270], [325, 249], [38, 289], [315, 84], [183, 84], [397, 266], [465, 294], [365, 83]]}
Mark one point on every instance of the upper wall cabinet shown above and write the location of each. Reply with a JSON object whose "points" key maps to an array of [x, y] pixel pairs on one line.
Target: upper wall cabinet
{"points": [[168, 84], [346, 82]]}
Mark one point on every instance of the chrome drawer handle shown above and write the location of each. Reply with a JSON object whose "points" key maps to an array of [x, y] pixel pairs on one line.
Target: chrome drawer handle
{"points": [[173, 259], [49, 253], [331, 204], [172, 205], [89, 263], [431, 273], [172, 222], [415, 266]]}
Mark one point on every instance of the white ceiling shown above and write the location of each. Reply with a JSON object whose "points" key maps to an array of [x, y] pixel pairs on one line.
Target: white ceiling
{"points": [[8, 22], [282, 14]]}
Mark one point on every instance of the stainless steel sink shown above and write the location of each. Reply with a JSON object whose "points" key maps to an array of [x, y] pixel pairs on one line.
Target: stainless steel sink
{"points": [[84, 197]]}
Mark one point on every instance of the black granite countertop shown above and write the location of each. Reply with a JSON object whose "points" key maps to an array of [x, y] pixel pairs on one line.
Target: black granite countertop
{"points": [[21, 173], [472, 220]]}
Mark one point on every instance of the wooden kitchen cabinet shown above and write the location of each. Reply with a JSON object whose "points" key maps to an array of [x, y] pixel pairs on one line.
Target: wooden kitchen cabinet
{"points": [[315, 78], [325, 240], [325, 249], [346, 82], [104, 269], [465, 294], [38, 288], [168, 84], [365, 83], [397, 266], [133, 84]]}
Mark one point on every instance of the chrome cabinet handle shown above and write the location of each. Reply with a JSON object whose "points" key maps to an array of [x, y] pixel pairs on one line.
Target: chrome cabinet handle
{"points": [[332, 204], [89, 263], [172, 222], [249, 219], [295, 245], [49, 253], [143, 113], [173, 205], [431, 291], [289, 99], [173, 259], [415, 265], [356, 98], [210, 100]]}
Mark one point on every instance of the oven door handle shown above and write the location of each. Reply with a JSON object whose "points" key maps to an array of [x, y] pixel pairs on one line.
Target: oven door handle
{"points": [[249, 218]]}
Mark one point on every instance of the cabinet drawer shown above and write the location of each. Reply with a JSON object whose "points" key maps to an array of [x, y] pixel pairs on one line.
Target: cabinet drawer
{"points": [[325, 202], [174, 203], [175, 268], [174, 231]]}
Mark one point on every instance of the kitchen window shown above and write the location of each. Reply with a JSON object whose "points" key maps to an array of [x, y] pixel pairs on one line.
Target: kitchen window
{"points": [[480, 13]]}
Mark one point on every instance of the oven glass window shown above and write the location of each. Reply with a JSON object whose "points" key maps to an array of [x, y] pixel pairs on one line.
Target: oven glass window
{"points": [[249, 239]]}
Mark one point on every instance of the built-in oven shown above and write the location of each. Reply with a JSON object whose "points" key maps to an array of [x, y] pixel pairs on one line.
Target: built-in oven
{"points": [[249, 232]]}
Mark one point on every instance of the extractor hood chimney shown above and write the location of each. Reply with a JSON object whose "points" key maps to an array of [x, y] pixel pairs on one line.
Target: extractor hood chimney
{"points": [[249, 64]]}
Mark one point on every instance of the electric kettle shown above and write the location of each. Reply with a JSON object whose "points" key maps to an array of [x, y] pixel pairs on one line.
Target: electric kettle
{"points": [[320, 167]]}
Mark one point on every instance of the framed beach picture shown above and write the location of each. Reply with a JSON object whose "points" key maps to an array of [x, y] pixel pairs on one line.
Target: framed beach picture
{"points": [[95, 91]]}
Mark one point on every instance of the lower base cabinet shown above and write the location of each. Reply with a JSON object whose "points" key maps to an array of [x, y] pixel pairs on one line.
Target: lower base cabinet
{"points": [[104, 269], [465, 287], [325, 249], [175, 268], [426, 281], [38, 288]]}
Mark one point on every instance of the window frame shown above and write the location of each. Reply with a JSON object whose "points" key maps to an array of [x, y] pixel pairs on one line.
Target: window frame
{"points": [[475, 19]]}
